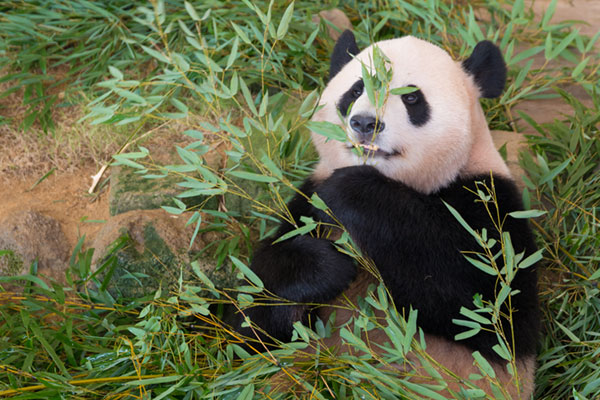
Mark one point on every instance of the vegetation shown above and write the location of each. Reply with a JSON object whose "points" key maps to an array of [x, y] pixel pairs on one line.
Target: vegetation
{"points": [[247, 73]]}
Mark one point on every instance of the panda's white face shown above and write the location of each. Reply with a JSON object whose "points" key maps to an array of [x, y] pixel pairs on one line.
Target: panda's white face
{"points": [[424, 138]]}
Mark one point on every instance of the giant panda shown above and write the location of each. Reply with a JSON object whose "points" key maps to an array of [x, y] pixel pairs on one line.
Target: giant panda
{"points": [[423, 149]]}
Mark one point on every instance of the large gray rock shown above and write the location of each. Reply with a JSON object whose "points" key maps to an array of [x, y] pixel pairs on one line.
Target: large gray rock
{"points": [[26, 236], [130, 191], [157, 254]]}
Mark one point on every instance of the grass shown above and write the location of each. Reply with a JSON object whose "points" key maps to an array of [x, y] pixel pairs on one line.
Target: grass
{"points": [[248, 73], [568, 151]]}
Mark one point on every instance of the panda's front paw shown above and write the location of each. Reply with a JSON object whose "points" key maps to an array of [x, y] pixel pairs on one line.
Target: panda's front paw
{"points": [[353, 175], [316, 270], [350, 187], [352, 179]]}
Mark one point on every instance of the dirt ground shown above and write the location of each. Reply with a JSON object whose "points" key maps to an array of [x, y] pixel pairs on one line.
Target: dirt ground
{"points": [[62, 196]]}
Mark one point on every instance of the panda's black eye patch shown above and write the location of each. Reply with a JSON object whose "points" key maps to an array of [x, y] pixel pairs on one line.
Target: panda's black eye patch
{"points": [[417, 107], [355, 91]]}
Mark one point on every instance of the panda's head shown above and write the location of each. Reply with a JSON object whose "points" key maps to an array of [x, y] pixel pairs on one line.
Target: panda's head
{"points": [[425, 138]]}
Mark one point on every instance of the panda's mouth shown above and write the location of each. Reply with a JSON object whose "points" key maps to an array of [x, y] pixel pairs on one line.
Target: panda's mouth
{"points": [[372, 150]]}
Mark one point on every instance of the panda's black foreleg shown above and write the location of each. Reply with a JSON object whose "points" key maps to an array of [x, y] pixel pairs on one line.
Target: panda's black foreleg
{"points": [[296, 273]]}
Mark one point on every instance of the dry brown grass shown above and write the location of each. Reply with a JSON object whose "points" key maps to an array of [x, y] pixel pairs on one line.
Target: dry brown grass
{"points": [[71, 147], [67, 148], [74, 145]]}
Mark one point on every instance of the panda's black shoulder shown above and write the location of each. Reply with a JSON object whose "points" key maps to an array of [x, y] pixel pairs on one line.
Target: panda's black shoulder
{"points": [[504, 198], [503, 188]]}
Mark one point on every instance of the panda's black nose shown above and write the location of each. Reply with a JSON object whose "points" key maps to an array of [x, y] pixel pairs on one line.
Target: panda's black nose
{"points": [[366, 126]]}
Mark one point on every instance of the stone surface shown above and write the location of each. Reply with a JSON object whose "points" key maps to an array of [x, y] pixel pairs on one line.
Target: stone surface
{"points": [[255, 191], [157, 254], [336, 17], [130, 191], [26, 236]]}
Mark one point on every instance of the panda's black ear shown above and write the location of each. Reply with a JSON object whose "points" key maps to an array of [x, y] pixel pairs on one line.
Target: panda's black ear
{"points": [[488, 69], [343, 51]]}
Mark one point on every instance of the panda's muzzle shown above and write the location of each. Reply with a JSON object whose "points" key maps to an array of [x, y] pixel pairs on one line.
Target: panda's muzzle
{"points": [[366, 127]]}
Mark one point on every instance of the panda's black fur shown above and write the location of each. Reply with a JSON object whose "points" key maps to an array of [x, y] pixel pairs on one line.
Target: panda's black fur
{"points": [[435, 278], [343, 51], [412, 237]]}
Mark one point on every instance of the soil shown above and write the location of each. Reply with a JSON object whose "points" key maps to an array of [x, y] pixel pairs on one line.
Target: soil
{"points": [[62, 196]]}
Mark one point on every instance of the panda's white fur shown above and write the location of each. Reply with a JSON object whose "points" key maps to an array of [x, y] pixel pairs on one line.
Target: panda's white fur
{"points": [[456, 141]]}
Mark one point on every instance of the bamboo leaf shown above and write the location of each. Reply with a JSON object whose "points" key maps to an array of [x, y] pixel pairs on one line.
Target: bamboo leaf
{"points": [[247, 272], [308, 227], [191, 11], [251, 176], [404, 90], [484, 365], [526, 214], [233, 54], [532, 259], [247, 393], [285, 21], [155, 54], [548, 46], [548, 14], [563, 44], [316, 201], [271, 166], [568, 332], [474, 316], [130, 96], [422, 390], [241, 34], [262, 109], [579, 68], [327, 129], [115, 72], [49, 349], [462, 222]]}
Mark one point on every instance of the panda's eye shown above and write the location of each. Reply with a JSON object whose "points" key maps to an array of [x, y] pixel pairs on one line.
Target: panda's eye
{"points": [[410, 98], [356, 92]]}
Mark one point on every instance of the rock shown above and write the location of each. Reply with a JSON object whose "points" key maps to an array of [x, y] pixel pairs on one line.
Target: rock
{"points": [[130, 191], [336, 17], [515, 143], [26, 236], [156, 256], [256, 191]]}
